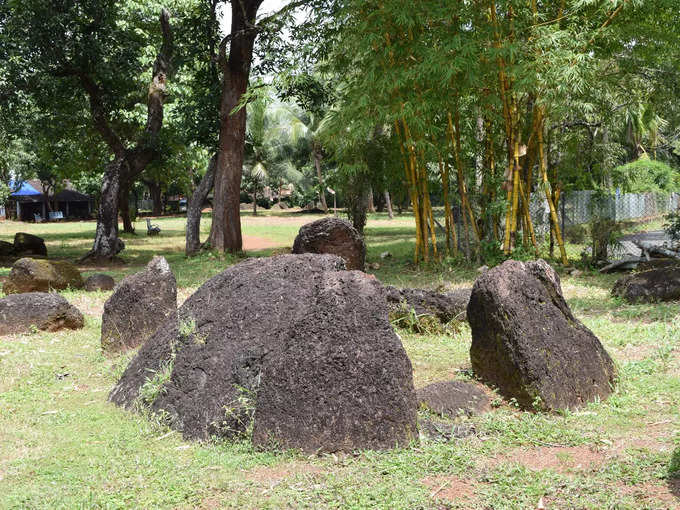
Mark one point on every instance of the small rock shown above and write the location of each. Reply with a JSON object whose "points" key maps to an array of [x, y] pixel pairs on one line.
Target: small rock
{"points": [[454, 398], [99, 281], [374, 265], [40, 275], [445, 306], [650, 286], [45, 311], [6, 249], [482, 269], [385, 254]]}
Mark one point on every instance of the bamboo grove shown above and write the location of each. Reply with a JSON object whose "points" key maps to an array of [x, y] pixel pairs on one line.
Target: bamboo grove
{"points": [[468, 89]]}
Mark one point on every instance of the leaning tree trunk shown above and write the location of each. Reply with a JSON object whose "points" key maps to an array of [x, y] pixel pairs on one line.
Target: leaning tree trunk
{"points": [[124, 206], [225, 233], [195, 206], [106, 242]]}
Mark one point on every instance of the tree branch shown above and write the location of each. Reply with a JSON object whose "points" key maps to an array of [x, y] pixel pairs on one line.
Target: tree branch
{"points": [[100, 116], [146, 149]]}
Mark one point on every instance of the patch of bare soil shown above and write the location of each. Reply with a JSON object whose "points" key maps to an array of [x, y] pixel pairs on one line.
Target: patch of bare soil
{"points": [[450, 488], [667, 495], [273, 475], [253, 243], [633, 352], [557, 458], [658, 437], [88, 304]]}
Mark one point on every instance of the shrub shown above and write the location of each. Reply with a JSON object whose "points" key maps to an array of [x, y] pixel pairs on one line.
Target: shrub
{"points": [[672, 227], [646, 175]]}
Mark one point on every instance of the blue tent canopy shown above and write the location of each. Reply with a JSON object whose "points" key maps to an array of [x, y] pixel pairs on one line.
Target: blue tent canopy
{"points": [[25, 190]]}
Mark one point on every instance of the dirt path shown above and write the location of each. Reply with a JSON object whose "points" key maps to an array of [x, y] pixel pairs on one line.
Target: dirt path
{"points": [[254, 243]]}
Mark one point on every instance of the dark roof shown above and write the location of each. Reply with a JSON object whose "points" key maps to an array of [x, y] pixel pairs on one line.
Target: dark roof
{"points": [[69, 195]]}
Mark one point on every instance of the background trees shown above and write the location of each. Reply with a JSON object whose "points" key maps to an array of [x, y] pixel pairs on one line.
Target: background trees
{"points": [[78, 56], [466, 106]]}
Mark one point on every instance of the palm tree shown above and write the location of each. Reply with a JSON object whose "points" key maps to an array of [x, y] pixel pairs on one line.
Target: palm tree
{"points": [[269, 149], [303, 129]]}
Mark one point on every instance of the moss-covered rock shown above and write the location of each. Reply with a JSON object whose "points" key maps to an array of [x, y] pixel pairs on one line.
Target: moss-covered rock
{"points": [[40, 275]]}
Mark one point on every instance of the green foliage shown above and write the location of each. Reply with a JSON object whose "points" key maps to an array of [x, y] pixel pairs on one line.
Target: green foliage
{"points": [[646, 175], [153, 386], [672, 227]]}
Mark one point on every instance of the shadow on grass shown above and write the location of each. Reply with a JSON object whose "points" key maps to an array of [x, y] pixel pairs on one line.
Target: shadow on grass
{"points": [[370, 232]]}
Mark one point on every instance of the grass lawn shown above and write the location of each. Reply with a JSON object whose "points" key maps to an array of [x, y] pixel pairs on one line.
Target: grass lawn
{"points": [[63, 446]]}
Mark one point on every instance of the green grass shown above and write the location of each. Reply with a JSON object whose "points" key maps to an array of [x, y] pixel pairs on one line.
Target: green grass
{"points": [[63, 446]]}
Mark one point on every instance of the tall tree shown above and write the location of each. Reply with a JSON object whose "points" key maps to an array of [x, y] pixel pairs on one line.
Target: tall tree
{"points": [[90, 54]]}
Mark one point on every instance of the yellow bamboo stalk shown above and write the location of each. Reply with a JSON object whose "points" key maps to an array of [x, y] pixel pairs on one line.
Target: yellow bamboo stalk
{"points": [[548, 194], [443, 172], [449, 214], [411, 187]]}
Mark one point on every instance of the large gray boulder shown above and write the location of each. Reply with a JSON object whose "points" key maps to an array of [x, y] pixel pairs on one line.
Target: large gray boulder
{"points": [[19, 313], [651, 286], [526, 341], [333, 236], [294, 346], [41, 275], [445, 306], [139, 304]]}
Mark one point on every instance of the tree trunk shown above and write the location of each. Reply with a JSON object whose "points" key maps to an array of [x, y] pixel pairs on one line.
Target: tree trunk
{"points": [[388, 204], [195, 206], [357, 202], [254, 204], [106, 242], [124, 206], [127, 163], [322, 188], [155, 190], [371, 205], [225, 233]]}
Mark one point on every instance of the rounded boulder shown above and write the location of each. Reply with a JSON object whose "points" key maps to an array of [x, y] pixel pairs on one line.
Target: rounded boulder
{"points": [[335, 237], [292, 347], [138, 306], [19, 313], [99, 281], [527, 342]]}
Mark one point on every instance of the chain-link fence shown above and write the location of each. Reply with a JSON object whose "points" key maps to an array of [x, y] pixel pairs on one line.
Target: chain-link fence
{"points": [[580, 208]]}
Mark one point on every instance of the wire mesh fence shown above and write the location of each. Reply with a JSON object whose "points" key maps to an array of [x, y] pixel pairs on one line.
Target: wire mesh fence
{"points": [[580, 208]]}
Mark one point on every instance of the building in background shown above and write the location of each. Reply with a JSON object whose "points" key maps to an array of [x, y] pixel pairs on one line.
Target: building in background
{"points": [[28, 202]]}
